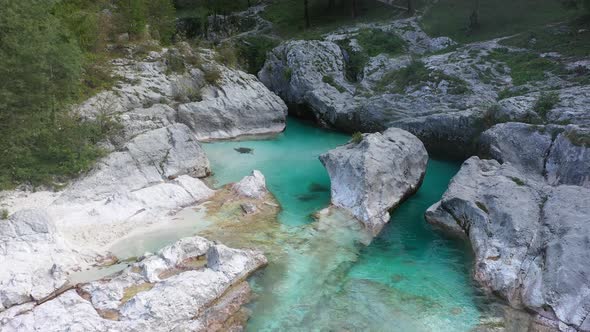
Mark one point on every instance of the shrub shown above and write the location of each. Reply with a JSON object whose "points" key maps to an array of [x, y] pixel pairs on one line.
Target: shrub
{"points": [[175, 62], [357, 137], [212, 75], [376, 41], [4, 214], [227, 54], [253, 51], [355, 61], [545, 103]]}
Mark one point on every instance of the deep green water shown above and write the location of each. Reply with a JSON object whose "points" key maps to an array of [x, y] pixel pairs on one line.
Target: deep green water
{"points": [[408, 279]]}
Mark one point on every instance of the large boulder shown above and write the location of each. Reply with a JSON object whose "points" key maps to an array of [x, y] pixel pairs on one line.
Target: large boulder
{"points": [[530, 239], [193, 283], [251, 186], [238, 105], [372, 176]]}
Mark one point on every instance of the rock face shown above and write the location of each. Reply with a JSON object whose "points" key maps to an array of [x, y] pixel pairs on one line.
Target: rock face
{"points": [[558, 154], [530, 239], [240, 105], [371, 177], [34, 258], [156, 96], [193, 284]]}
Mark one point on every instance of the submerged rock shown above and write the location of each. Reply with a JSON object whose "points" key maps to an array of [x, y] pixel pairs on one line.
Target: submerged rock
{"points": [[187, 284], [372, 176], [530, 239]]}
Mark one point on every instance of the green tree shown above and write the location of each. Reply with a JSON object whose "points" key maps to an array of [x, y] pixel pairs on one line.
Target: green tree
{"points": [[162, 20], [132, 16]]}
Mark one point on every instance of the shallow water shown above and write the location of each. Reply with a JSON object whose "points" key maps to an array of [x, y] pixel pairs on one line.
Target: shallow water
{"points": [[321, 276]]}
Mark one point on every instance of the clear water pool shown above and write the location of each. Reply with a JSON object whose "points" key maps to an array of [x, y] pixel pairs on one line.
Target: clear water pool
{"points": [[321, 277]]}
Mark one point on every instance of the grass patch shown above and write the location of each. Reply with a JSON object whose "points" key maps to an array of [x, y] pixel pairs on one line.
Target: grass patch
{"points": [[545, 103], [288, 20], [376, 41], [330, 80], [512, 92], [288, 73], [212, 75], [417, 74], [570, 38], [524, 67], [497, 18], [4, 214], [131, 291], [578, 138]]}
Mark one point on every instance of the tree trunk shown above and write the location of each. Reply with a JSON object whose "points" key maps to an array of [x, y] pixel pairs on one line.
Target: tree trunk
{"points": [[331, 4], [354, 9], [410, 7], [306, 14], [474, 18]]}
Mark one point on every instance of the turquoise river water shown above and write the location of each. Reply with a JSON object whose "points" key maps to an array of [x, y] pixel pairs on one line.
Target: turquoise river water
{"points": [[325, 273], [323, 278]]}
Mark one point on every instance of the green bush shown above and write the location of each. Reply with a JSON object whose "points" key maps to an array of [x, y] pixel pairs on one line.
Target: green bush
{"points": [[375, 42], [253, 50], [226, 54], [356, 61], [357, 137], [212, 75], [545, 103]]}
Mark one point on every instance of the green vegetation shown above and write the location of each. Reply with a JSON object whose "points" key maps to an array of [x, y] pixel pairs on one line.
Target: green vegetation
{"points": [[330, 80], [252, 52], [4, 214], [375, 42], [578, 137], [287, 16], [212, 74], [55, 55], [496, 18], [226, 54], [524, 67], [357, 137], [417, 74], [512, 92], [518, 181], [482, 207], [545, 103], [288, 74], [357, 60], [569, 38]]}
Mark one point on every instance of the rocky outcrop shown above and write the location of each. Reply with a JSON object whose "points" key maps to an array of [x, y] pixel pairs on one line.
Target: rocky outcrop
{"points": [[193, 284], [530, 239], [216, 102], [34, 257], [239, 105], [557, 154], [372, 176], [252, 186], [568, 161]]}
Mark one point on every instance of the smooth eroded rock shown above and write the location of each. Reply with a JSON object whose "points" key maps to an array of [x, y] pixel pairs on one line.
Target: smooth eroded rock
{"points": [[372, 176]]}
